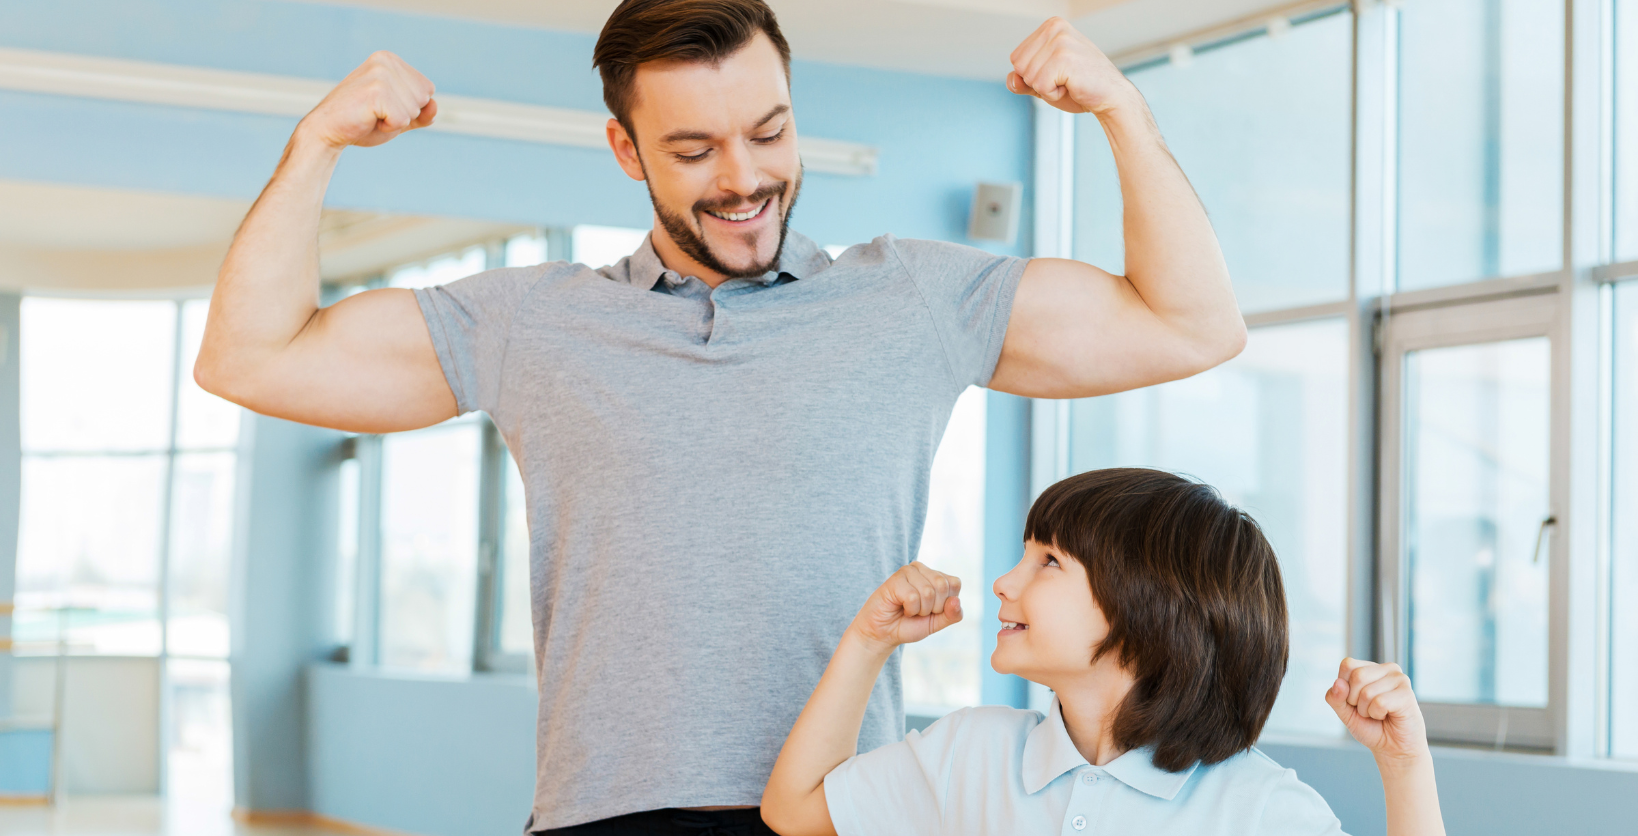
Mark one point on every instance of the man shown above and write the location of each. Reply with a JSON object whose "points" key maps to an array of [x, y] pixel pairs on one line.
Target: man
{"points": [[726, 437]]}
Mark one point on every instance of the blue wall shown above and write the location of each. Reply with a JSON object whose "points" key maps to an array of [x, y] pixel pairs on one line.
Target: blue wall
{"points": [[937, 136]]}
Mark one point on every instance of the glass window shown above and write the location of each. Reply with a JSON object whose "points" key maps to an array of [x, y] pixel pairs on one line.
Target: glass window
{"points": [[199, 760], [1476, 459], [440, 270], [346, 577], [201, 547], [429, 546], [96, 375], [942, 671], [1269, 430], [516, 624], [89, 539], [1481, 131], [1626, 130], [600, 246], [1623, 591], [525, 250], [1261, 127]]}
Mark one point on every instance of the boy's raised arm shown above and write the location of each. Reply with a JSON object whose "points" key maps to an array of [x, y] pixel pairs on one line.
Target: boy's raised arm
{"points": [[913, 604], [1377, 705]]}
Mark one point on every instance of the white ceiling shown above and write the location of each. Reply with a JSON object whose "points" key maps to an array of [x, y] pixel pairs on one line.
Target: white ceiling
{"points": [[963, 38]]}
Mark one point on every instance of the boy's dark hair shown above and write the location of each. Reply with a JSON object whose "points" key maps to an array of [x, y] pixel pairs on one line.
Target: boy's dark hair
{"points": [[1196, 609], [706, 31]]}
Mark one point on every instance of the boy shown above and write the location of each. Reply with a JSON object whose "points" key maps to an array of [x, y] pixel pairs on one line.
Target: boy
{"points": [[1155, 612]]}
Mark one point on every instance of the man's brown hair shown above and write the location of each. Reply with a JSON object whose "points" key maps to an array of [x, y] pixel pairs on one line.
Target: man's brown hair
{"points": [[704, 31], [1196, 610]]}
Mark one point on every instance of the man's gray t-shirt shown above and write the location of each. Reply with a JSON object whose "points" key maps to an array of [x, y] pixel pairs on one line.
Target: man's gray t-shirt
{"points": [[716, 480]]}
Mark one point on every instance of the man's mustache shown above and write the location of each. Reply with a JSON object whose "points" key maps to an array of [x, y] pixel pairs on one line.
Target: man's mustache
{"points": [[724, 204]]}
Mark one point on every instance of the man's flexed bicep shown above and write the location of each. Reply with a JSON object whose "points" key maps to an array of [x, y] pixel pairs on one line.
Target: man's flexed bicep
{"points": [[364, 364], [1077, 331]]}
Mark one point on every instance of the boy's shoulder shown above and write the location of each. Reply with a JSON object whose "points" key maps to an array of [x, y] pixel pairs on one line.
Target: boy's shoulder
{"points": [[985, 726]]}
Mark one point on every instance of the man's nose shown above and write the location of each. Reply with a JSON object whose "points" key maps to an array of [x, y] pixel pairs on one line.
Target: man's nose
{"points": [[737, 172]]}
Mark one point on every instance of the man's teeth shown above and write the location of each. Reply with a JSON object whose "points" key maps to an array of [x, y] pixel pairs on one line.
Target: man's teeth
{"points": [[739, 216]]}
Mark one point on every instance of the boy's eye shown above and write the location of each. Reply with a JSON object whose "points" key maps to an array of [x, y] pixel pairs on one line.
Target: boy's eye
{"points": [[1051, 561]]}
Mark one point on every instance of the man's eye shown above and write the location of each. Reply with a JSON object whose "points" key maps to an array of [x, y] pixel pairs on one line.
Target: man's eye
{"points": [[769, 140], [693, 158]]}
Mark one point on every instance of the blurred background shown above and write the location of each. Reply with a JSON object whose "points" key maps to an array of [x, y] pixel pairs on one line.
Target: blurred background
{"points": [[216, 622]]}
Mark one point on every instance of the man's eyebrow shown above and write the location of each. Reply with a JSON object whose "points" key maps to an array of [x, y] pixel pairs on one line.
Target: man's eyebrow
{"points": [[701, 136]]}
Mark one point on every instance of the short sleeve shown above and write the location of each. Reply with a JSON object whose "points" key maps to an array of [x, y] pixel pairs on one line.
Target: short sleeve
{"points": [[969, 293], [897, 789], [1296, 809], [470, 321]]}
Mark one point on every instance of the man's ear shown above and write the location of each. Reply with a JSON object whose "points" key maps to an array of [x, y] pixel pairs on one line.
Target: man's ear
{"points": [[625, 150]]}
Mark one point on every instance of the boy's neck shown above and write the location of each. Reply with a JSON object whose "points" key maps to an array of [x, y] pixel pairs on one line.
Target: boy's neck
{"points": [[1089, 705]]}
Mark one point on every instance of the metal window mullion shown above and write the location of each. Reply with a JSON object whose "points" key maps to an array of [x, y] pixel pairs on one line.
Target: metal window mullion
{"points": [[367, 570], [1573, 612], [491, 508]]}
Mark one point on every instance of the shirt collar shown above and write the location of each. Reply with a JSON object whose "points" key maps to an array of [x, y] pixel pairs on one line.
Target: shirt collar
{"points": [[799, 259], [1049, 753]]}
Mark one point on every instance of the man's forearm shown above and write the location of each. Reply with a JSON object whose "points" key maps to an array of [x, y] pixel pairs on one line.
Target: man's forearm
{"points": [[1173, 259], [268, 287], [1412, 798]]}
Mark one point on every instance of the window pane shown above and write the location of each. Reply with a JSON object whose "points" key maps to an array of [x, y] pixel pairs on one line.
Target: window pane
{"points": [[1481, 161], [429, 545], [516, 624], [1623, 696], [346, 577], [199, 763], [1262, 129], [1476, 454], [201, 546], [525, 250], [942, 671], [97, 375], [202, 420], [1626, 130], [90, 539], [1269, 430], [600, 246], [441, 270]]}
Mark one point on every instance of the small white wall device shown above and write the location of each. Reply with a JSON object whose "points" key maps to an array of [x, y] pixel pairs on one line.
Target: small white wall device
{"points": [[995, 212]]}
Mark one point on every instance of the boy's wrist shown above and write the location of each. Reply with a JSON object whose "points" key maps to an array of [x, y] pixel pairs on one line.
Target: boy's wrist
{"points": [[1410, 765], [873, 648]]}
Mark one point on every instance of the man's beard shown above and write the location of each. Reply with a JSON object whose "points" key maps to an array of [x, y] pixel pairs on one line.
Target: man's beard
{"points": [[693, 244]]}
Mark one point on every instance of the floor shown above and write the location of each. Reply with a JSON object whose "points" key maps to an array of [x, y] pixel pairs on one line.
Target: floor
{"points": [[136, 816]]}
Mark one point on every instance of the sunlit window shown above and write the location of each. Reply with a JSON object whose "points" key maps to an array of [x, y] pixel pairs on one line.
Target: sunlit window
{"points": [[1623, 590], [1262, 128], [1481, 131], [942, 671], [600, 246], [117, 486]]}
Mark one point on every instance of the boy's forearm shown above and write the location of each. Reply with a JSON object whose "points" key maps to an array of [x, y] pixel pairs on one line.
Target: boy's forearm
{"points": [[1412, 797], [825, 734]]}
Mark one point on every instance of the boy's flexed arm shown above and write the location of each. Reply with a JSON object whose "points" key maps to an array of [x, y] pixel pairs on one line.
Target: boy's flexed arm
{"points": [[366, 363], [913, 604], [1377, 705]]}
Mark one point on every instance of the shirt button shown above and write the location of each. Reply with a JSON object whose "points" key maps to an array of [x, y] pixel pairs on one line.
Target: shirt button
{"points": [[1079, 822], [1089, 777]]}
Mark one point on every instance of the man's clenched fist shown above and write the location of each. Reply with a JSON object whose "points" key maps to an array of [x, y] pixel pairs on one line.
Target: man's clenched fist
{"points": [[1063, 68], [381, 99]]}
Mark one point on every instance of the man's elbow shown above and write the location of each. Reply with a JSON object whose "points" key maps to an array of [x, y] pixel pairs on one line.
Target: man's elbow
{"points": [[222, 376], [1220, 345]]}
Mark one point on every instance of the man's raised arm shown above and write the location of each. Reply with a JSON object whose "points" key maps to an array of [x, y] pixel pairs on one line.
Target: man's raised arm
{"points": [[1078, 331], [364, 364]]}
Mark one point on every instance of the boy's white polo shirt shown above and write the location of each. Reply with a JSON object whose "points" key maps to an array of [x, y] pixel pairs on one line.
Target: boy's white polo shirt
{"points": [[998, 770]]}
